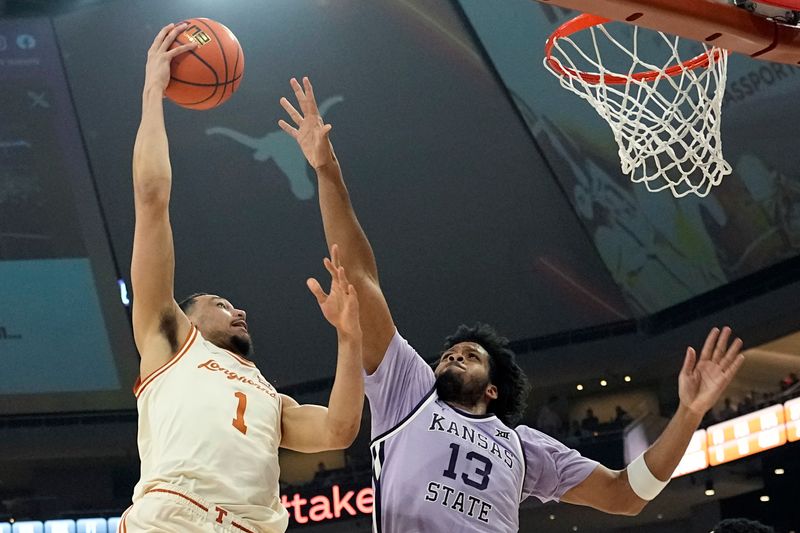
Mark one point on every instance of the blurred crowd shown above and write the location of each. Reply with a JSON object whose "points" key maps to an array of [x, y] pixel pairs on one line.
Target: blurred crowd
{"points": [[788, 388]]}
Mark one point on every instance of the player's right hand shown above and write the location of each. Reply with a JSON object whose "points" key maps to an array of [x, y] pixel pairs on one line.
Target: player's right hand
{"points": [[159, 56], [340, 305]]}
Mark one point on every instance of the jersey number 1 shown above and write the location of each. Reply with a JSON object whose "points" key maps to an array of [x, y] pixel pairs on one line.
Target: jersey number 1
{"points": [[238, 422]]}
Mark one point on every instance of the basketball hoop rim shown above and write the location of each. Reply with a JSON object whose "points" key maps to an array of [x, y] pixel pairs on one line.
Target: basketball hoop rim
{"points": [[585, 21]]}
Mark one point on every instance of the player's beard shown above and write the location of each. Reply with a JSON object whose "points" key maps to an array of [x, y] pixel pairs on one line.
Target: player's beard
{"points": [[241, 345], [451, 388]]}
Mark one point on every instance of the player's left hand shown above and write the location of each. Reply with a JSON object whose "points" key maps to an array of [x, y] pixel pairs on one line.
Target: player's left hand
{"points": [[340, 305], [311, 132], [701, 382]]}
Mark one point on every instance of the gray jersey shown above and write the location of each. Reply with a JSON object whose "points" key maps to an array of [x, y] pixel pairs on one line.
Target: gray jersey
{"points": [[436, 468]]}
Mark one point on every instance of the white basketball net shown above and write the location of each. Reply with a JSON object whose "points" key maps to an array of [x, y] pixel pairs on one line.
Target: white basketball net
{"points": [[667, 129]]}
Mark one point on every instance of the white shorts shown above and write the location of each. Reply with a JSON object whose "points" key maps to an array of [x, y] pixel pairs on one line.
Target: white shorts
{"points": [[170, 509]]}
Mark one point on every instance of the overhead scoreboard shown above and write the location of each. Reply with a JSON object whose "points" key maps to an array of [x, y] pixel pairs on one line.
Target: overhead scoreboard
{"points": [[740, 437]]}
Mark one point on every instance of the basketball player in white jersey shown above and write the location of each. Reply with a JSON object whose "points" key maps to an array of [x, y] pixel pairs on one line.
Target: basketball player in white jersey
{"points": [[210, 425], [476, 466]]}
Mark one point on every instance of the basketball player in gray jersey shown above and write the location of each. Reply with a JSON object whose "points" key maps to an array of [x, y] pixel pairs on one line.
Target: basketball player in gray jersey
{"points": [[446, 453]]}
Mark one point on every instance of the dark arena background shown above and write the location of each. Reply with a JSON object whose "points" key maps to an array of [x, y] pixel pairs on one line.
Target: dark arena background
{"points": [[488, 192]]}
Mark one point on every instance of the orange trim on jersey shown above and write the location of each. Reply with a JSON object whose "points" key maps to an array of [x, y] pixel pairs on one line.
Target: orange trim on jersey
{"points": [[242, 359], [190, 338], [122, 525], [200, 505], [185, 497]]}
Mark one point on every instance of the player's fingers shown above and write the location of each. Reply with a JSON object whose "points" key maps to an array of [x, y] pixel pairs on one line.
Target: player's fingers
{"points": [[298, 90], [689, 361], [352, 294], [178, 50], [310, 98], [160, 37], [330, 268], [708, 346], [171, 36], [293, 113], [731, 371], [335, 255], [299, 94], [315, 288], [343, 276], [731, 355], [288, 129], [722, 344]]}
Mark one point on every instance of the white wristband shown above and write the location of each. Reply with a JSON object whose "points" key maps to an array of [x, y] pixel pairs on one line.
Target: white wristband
{"points": [[642, 481]]}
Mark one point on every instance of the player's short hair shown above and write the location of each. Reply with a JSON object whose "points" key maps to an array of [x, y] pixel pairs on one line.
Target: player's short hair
{"points": [[741, 525], [504, 373], [187, 303]]}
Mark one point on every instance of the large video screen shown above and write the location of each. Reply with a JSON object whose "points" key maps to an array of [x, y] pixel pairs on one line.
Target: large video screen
{"points": [[660, 250], [64, 335]]}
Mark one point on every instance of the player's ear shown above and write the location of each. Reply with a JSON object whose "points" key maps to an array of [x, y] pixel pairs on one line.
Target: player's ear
{"points": [[491, 392]]}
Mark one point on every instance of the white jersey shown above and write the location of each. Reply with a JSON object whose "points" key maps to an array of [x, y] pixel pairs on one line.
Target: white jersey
{"points": [[210, 423]]}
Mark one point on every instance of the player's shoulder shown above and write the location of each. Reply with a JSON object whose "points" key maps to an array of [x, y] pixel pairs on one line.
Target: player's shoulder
{"points": [[287, 401], [529, 434], [533, 439], [160, 336]]}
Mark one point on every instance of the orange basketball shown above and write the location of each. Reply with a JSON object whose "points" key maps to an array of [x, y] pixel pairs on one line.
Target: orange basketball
{"points": [[208, 75]]}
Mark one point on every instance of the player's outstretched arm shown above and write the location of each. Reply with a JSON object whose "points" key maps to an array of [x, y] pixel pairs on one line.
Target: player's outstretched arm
{"points": [[700, 385], [312, 428], [158, 324], [340, 221]]}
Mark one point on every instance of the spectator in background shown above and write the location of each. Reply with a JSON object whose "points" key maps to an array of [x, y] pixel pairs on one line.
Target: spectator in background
{"points": [[789, 381], [741, 525], [575, 434], [322, 473], [766, 400], [747, 405], [727, 410], [590, 422], [622, 417], [572, 439], [548, 420]]}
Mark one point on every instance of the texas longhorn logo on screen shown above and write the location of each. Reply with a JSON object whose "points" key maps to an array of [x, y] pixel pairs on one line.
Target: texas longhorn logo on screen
{"points": [[282, 149]]}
